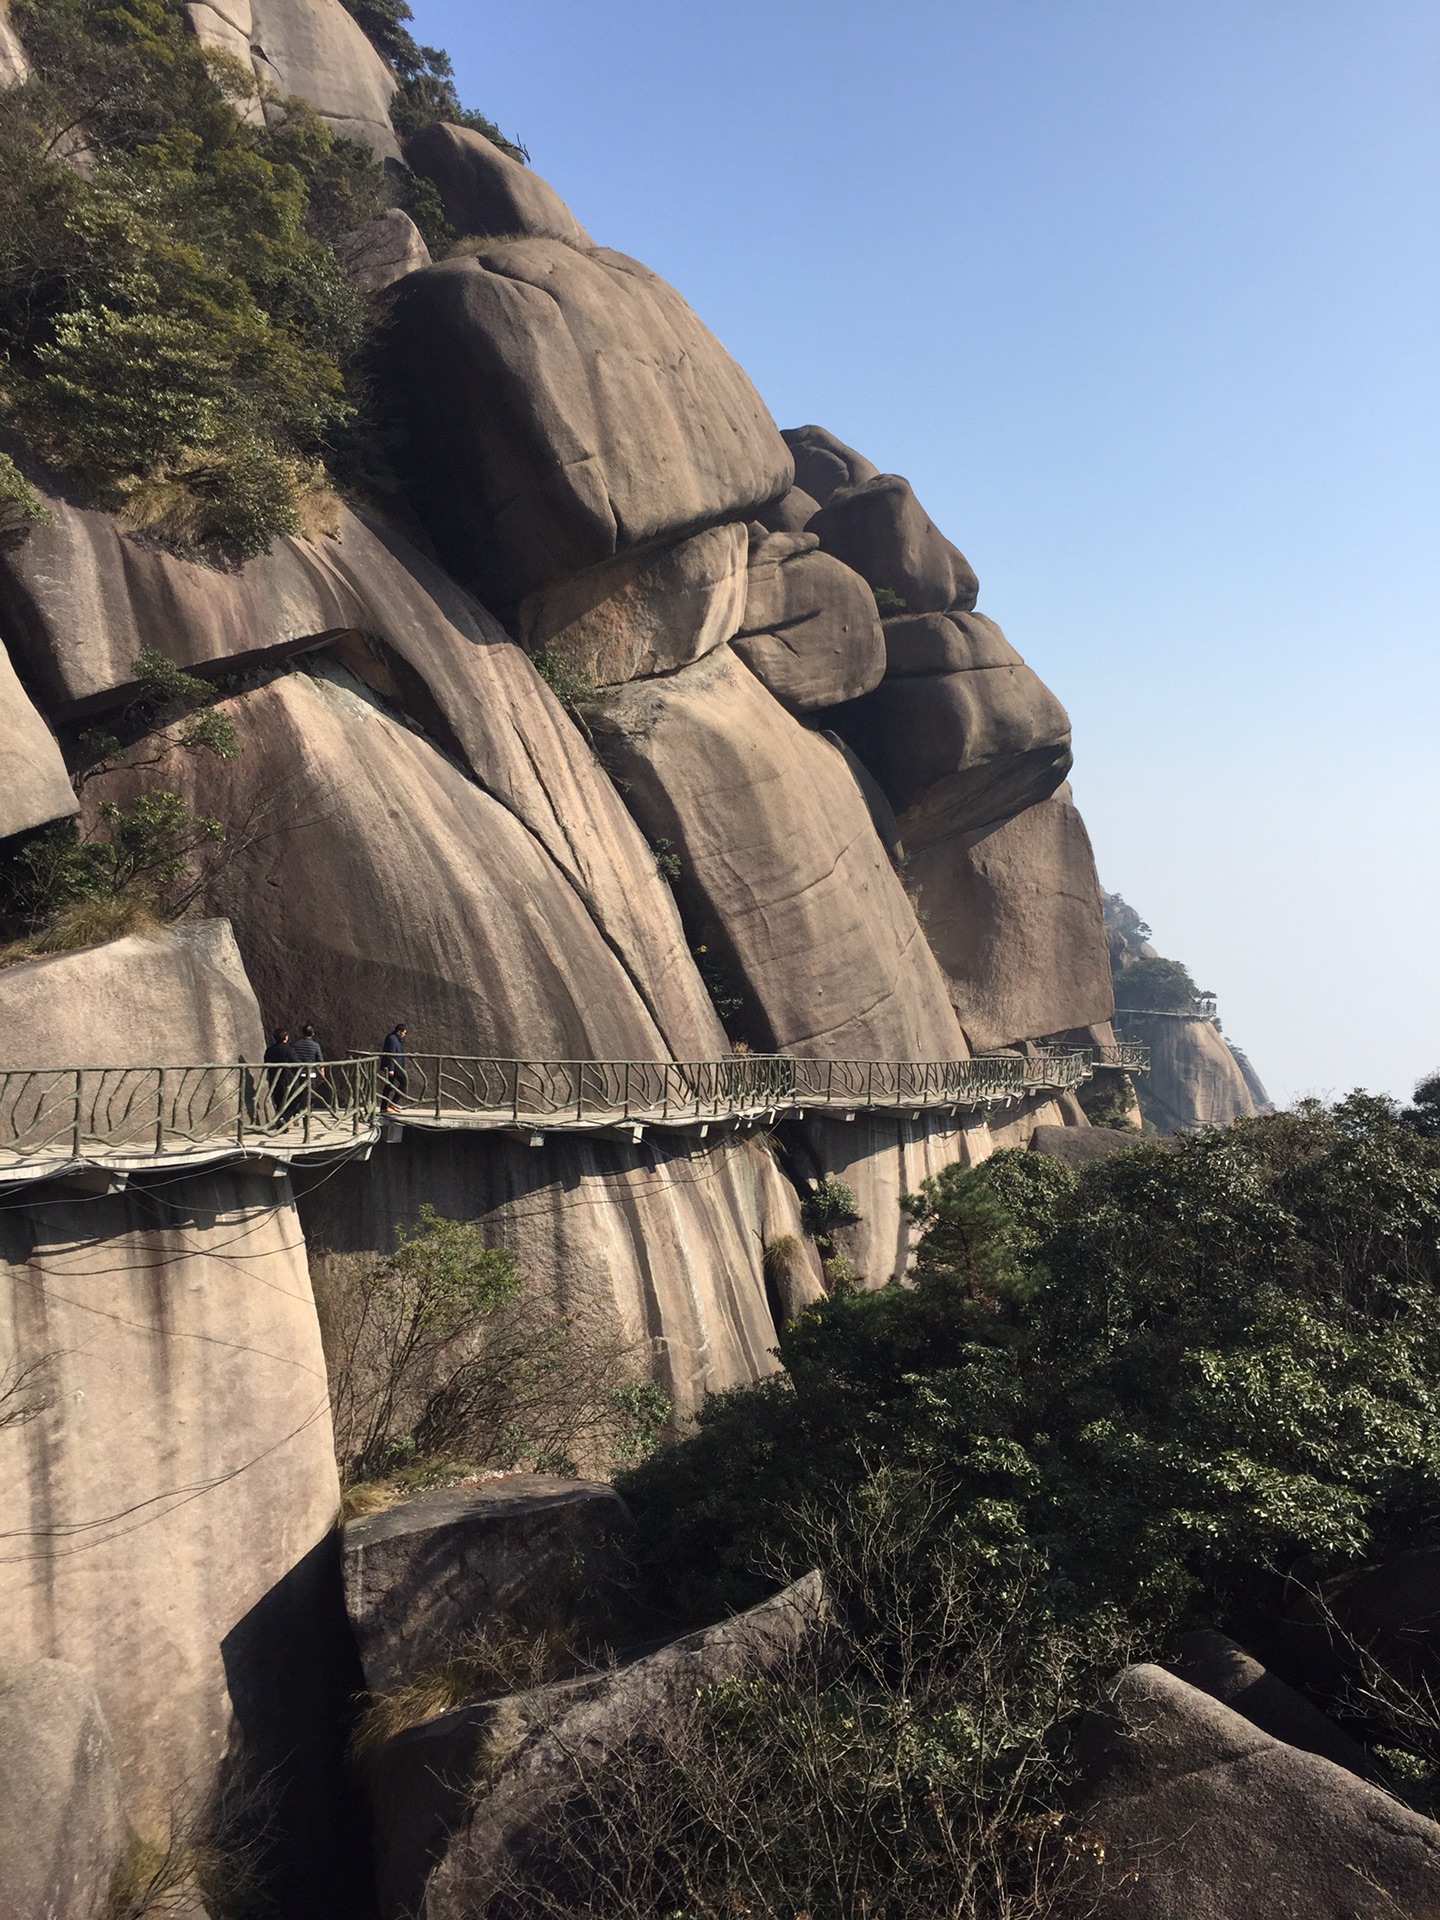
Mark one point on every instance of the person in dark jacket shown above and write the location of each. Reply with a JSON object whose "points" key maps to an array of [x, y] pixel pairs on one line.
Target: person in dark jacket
{"points": [[280, 1064], [311, 1078], [394, 1080]]}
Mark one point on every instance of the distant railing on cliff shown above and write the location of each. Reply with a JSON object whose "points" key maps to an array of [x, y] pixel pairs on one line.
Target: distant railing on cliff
{"points": [[1130, 1056], [127, 1118]]}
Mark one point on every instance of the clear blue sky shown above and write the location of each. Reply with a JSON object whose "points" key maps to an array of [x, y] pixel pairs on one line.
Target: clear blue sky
{"points": [[1142, 297]]}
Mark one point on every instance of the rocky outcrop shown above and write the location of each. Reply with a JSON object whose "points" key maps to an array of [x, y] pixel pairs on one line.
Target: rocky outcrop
{"points": [[1013, 917], [487, 195], [14, 67], [444, 1842], [167, 1511], [881, 1160], [1202, 1815], [176, 997], [34, 785], [527, 1551], [383, 251], [666, 1238], [62, 1832], [309, 48], [1080, 1146], [823, 464], [643, 613], [879, 528], [353, 910], [810, 630], [791, 513], [782, 873], [562, 406], [1217, 1666], [1194, 1079]]}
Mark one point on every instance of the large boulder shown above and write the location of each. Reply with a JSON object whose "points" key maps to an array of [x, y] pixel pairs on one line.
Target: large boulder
{"points": [[879, 528], [954, 642], [823, 464], [486, 194], [369, 879], [1194, 1079], [529, 1550], [1218, 1666], [1013, 916], [791, 513], [1202, 1816], [82, 598], [309, 48], [561, 406], [664, 1239], [444, 1843], [782, 873], [643, 613], [176, 997], [383, 251], [169, 1506], [34, 785], [810, 631], [1082, 1146], [62, 1832]]}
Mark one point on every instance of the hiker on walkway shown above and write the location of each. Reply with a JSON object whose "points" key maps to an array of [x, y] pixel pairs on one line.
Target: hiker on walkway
{"points": [[310, 1053], [280, 1073], [394, 1080]]}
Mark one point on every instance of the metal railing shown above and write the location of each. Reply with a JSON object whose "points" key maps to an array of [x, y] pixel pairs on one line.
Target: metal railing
{"points": [[145, 1113], [1130, 1056], [132, 1116]]}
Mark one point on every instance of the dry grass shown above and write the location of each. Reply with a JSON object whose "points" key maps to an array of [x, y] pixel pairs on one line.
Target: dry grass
{"points": [[784, 1257], [484, 1666], [369, 1496], [87, 923]]}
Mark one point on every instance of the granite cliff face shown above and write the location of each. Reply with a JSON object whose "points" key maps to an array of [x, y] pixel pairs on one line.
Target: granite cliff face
{"points": [[801, 796]]}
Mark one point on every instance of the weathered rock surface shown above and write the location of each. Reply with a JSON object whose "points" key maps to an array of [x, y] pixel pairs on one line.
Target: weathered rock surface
{"points": [[61, 1827], [667, 1236], [562, 406], [373, 881], [1079, 1146], [14, 67], [84, 598], [383, 251], [486, 194], [1016, 1123], [1218, 1821], [881, 1160], [781, 868], [177, 997], [443, 1843], [791, 513], [823, 464], [958, 751], [1194, 1079], [314, 48], [34, 786], [643, 613], [167, 1514], [924, 643], [810, 631], [531, 1550], [1013, 916], [1218, 1666], [879, 528]]}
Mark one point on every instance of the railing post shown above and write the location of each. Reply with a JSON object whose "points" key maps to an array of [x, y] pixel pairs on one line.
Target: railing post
{"points": [[78, 1133], [625, 1094], [438, 1070], [160, 1110], [240, 1073]]}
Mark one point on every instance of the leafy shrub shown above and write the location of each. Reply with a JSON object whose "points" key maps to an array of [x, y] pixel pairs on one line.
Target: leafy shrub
{"points": [[440, 1361], [888, 601], [1160, 986], [667, 860], [571, 686], [1158, 1377], [831, 1203], [724, 997], [20, 505]]}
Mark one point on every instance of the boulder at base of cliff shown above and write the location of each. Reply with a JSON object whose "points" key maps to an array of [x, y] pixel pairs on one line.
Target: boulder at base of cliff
{"points": [[780, 867], [1194, 1079], [1080, 1146], [1205, 1817], [484, 193], [880, 529], [62, 1833], [1014, 918], [530, 1550], [642, 613], [811, 631], [560, 406], [446, 1846], [176, 997], [34, 785]]}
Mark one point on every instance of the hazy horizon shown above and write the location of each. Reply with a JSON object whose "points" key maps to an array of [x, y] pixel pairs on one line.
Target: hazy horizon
{"points": [[1144, 305]]}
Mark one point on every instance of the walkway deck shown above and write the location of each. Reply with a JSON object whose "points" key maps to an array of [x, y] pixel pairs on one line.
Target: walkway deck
{"points": [[97, 1125]]}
